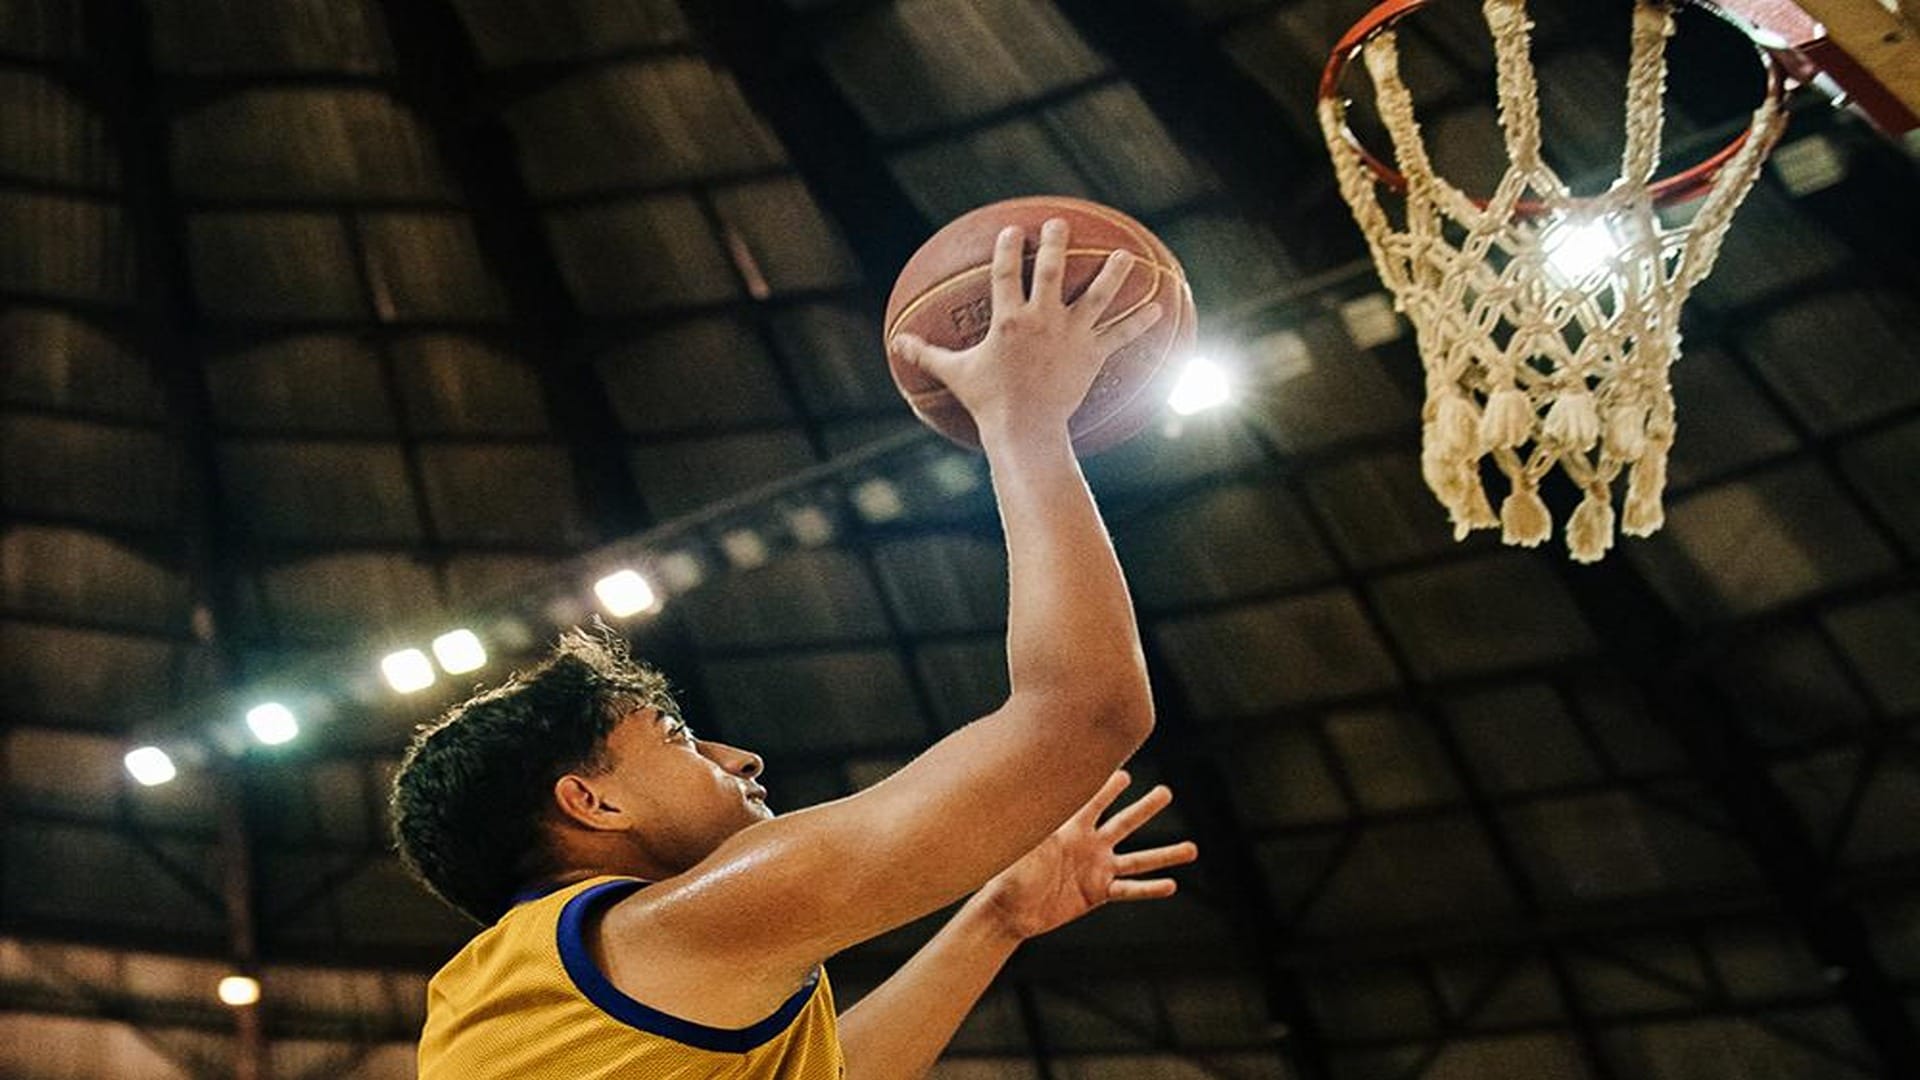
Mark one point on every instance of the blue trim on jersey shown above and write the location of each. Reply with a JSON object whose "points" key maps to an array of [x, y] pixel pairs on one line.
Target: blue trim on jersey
{"points": [[590, 981]]}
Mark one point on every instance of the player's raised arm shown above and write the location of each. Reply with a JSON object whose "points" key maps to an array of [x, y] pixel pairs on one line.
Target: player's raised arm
{"points": [[789, 892]]}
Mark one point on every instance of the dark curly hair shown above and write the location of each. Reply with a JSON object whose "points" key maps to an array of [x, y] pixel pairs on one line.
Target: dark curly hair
{"points": [[468, 798]]}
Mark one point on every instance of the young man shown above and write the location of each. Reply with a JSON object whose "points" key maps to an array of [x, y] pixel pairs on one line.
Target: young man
{"points": [[649, 916]]}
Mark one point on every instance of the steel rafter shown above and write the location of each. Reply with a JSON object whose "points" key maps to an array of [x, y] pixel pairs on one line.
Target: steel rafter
{"points": [[128, 92]]}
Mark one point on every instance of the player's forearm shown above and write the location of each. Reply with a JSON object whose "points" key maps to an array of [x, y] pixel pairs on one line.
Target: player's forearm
{"points": [[899, 1029], [1070, 625]]}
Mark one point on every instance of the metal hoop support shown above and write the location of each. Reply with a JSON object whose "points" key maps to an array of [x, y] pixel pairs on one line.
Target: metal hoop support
{"points": [[1780, 61]]}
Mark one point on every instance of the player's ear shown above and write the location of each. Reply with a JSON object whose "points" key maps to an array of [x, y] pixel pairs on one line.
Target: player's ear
{"points": [[583, 802]]}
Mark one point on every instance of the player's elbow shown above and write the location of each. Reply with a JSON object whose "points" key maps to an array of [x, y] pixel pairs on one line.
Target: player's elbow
{"points": [[1130, 713], [1120, 708]]}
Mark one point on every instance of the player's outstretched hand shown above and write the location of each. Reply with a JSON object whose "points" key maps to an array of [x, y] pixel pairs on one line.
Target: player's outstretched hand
{"points": [[1041, 353], [1076, 869]]}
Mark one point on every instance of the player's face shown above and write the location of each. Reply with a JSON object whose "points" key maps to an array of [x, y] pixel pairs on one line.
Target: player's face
{"points": [[689, 794]]}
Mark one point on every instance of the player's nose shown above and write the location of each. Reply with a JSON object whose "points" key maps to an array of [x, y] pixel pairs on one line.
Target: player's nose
{"points": [[742, 763]]}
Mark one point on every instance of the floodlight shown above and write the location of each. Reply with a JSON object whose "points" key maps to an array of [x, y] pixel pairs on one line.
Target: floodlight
{"points": [[272, 723], [953, 475], [681, 570], [878, 500], [1578, 248], [150, 765], [459, 651], [625, 593], [408, 670], [745, 549], [239, 991], [1201, 386], [810, 525]]}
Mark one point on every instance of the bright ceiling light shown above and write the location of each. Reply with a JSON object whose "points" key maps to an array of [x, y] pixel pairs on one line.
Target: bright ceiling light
{"points": [[1576, 249], [810, 525], [150, 765], [272, 723], [1203, 385], [878, 501], [459, 651], [745, 549], [239, 991], [681, 570], [624, 593], [407, 670]]}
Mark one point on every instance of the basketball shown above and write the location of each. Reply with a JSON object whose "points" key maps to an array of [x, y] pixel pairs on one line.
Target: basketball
{"points": [[944, 295]]}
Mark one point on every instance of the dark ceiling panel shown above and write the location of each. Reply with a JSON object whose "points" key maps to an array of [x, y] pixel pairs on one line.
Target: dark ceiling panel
{"points": [[645, 256], [567, 30], [671, 121], [218, 36], [58, 362], [301, 384], [92, 472], [47, 133], [66, 572], [296, 145]]}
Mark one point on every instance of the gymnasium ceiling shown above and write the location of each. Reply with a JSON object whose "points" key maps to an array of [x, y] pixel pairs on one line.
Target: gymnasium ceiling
{"points": [[328, 325]]}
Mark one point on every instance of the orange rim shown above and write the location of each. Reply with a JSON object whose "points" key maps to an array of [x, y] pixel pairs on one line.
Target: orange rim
{"points": [[1677, 188]]}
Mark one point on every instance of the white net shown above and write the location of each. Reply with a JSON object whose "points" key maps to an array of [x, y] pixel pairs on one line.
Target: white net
{"points": [[1547, 323]]}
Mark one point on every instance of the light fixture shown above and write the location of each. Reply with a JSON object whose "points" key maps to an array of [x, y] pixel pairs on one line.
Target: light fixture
{"points": [[459, 651], [624, 593], [810, 526], [407, 670], [1807, 165], [1371, 320], [272, 723], [878, 500], [681, 570], [953, 475], [1575, 249], [1201, 386], [745, 549], [150, 765], [239, 991]]}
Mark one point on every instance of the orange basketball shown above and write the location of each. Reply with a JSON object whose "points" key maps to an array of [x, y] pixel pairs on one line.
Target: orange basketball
{"points": [[944, 295]]}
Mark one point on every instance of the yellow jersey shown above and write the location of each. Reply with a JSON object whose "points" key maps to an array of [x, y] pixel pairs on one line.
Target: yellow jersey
{"points": [[525, 1000]]}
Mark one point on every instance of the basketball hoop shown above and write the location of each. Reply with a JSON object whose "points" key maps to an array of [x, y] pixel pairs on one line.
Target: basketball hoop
{"points": [[1534, 357]]}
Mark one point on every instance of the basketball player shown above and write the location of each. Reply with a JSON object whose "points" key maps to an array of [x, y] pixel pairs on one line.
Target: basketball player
{"points": [[648, 916]]}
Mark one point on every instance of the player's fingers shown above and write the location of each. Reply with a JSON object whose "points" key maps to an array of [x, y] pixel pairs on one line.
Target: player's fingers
{"points": [[1106, 285], [1151, 889], [1127, 330], [1117, 783], [1138, 813], [1050, 264], [931, 359], [1008, 247], [1146, 862]]}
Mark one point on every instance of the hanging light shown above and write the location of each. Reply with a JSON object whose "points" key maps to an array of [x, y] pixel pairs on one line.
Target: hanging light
{"points": [[1202, 385], [239, 991], [624, 593], [459, 651], [272, 723], [408, 670], [151, 766]]}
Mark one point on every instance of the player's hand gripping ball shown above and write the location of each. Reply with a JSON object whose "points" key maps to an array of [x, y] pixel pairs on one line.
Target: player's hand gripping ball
{"points": [[944, 297]]}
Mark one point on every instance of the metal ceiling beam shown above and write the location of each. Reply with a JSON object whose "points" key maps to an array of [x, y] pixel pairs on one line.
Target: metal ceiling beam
{"points": [[128, 92], [440, 76]]}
